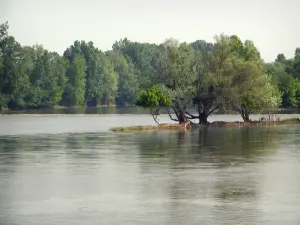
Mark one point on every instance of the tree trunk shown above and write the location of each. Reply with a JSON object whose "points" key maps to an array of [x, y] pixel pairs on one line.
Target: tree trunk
{"points": [[203, 114], [203, 118], [246, 118], [181, 116], [179, 112], [245, 115]]}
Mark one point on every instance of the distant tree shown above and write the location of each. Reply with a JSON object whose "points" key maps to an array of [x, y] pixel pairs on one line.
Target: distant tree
{"points": [[110, 80], [291, 95], [202, 46], [145, 58], [75, 89], [280, 58], [14, 83], [128, 86], [93, 73], [48, 78]]}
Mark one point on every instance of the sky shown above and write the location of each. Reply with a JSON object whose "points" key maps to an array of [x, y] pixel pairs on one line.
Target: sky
{"points": [[273, 25]]}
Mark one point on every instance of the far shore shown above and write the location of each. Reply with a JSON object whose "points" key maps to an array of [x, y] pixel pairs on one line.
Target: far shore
{"points": [[5, 109], [59, 107]]}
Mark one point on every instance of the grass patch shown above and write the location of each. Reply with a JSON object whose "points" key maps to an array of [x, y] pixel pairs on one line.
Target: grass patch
{"points": [[148, 127], [293, 121]]}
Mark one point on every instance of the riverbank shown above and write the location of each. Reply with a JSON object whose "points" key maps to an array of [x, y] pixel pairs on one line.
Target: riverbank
{"points": [[292, 121], [81, 110], [5, 109]]}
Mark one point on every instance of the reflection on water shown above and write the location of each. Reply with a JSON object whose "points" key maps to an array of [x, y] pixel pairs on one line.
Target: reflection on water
{"points": [[207, 176]]}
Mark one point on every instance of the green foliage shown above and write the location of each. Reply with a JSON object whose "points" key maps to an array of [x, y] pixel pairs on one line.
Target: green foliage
{"points": [[252, 90], [270, 95], [110, 82], [280, 58], [291, 94], [146, 59], [94, 73], [246, 50], [286, 75], [3, 30], [48, 78], [177, 65], [75, 89], [202, 46], [13, 77], [153, 97], [128, 86], [250, 85]]}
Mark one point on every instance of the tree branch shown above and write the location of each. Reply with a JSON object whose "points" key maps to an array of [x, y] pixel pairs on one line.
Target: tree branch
{"points": [[175, 107], [155, 119], [213, 109], [170, 115], [190, 116]]}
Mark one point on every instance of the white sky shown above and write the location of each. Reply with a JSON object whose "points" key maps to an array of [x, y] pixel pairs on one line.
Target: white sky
{"points": [[273, 25]]}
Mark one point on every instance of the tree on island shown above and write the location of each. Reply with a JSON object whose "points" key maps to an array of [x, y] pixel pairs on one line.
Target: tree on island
{"points": [[229, 75]]}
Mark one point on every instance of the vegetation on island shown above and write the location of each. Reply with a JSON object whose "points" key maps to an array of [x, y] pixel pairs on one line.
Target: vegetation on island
{"points": [[227, 74]]}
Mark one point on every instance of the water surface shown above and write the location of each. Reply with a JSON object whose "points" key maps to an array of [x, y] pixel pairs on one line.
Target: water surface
{"points": [[67, 169]]}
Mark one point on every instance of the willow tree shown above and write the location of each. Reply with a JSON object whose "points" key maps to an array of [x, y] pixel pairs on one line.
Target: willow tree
{"points": [[232, 75], [229, 74], [213, 78], [177, 75], [252, 90]]}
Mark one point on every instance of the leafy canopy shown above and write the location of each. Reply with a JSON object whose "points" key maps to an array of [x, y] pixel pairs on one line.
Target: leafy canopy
{"points": [[153, 97]]}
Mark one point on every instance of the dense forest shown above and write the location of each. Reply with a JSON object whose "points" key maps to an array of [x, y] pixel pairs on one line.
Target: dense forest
{"points": [[227, 73]]}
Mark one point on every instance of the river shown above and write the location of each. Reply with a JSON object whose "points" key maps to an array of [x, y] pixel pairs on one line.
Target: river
{"points": [[69, 169]]}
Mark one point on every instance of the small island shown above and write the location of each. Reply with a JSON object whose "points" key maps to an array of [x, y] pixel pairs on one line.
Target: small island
{"points": [[293, 121], [228, 76]]}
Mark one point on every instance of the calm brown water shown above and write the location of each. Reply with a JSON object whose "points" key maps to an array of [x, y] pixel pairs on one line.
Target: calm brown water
{"points": [[68, 169]]}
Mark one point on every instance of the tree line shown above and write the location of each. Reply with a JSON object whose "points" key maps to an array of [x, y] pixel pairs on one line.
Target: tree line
{"points": [[226, 73]]}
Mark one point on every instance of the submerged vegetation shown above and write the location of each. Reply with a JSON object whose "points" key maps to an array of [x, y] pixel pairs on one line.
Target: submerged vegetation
{"points": [[227, 74]]}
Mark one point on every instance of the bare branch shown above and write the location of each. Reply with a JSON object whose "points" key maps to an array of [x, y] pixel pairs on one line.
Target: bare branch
{"points": [[155, 119], [170, 115], [213, 109], [190, 116]]}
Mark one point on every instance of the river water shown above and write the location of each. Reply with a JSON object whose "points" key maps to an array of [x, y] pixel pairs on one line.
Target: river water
{"points": [[69, 169]]}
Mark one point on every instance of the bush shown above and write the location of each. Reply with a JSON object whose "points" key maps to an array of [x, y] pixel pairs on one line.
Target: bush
{"points": [[153, 97]]}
